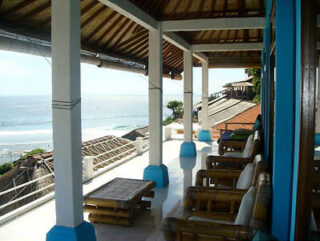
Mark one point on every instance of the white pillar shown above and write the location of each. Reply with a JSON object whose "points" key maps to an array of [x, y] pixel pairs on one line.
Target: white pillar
{"points": [[66, 112], [188, 89], [155, 97], [204, 111]]}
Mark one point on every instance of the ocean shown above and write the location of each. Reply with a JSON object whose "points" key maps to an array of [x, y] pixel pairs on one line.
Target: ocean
{"points": [[26, 121]]}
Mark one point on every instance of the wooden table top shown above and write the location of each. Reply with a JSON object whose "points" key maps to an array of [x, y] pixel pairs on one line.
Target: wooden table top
{"points": [[122, 192]]}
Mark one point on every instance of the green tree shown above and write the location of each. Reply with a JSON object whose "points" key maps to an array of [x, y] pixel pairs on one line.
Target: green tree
{"points": [[256, 73], [176, 107], [5, 167]]}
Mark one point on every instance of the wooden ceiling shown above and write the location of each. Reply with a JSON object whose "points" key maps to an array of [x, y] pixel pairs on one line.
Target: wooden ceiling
{"points": [[107, 32]]}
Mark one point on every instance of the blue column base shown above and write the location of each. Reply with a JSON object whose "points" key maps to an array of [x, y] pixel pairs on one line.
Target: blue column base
{"points": [[188, 149], [83, 232], [158, 174], [204, 135]]}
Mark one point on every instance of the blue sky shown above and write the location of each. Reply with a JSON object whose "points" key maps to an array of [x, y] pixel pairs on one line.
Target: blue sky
{"points": [[22, 74]]}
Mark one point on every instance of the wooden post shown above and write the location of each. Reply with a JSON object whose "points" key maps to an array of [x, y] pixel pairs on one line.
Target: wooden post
{"points": [[305, 120]]}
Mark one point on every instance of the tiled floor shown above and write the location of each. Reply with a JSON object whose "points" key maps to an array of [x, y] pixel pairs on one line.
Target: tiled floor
{"points": [[33, 225]]}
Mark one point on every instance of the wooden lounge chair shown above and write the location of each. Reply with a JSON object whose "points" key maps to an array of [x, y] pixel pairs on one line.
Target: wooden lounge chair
{"points": [[232, 179], [236, 148], [236, 160], [208, 214]]}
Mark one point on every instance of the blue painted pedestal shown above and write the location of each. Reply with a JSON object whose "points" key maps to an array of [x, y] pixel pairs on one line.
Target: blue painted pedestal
{"points": [[204, 135], [83, 232], [159, 174], [188, 149]]}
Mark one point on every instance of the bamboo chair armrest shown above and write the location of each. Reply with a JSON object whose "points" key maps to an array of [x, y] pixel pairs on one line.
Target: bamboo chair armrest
{"points": [[173, 227], [203, 175], [195, 195], [240, 144], [212, 161]]}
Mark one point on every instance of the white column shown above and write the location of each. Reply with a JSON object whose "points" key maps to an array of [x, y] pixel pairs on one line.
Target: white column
{"points": [[66, 112], [187, 98], [155, 97], [204, 111]]}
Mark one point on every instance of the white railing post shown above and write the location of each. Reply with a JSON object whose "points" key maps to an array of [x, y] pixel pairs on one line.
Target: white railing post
{"points": [[168, 133], [87, 173], [139, 145]]}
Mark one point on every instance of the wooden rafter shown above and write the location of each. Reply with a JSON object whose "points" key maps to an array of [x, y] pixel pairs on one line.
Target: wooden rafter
{"points": [[35, 11], [117, 31], [225, 7], [188, 5], [157, 8], [102, 24], [133, 40], [93, 16], [175, 6], [125, 32], [137, 47], [88, 7], [109, 29], [213, 4], [161, 7], [200, 7], [17, 7]]}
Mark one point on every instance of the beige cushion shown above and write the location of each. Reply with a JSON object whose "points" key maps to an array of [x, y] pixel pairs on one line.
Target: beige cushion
{"points": [[246, 208], [233, 154], [248, 147], [245, 178], [196, 218]]}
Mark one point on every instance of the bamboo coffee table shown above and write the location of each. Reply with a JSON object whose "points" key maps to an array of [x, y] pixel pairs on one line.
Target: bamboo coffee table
{"points": [[119, 201]]}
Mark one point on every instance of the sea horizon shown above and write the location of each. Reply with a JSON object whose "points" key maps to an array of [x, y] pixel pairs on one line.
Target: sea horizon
{"points": [[26, 123]]}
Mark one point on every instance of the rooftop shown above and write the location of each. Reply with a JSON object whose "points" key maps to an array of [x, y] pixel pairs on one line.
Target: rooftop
{"points": [[34, 225]]}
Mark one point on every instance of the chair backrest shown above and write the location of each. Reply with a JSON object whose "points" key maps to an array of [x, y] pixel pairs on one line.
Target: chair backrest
{"points": [[259, 218], [245, 178], [258, 167], [246, 153]]}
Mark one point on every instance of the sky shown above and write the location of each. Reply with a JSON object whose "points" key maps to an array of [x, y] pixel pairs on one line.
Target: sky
{"points": [[23, 74]]}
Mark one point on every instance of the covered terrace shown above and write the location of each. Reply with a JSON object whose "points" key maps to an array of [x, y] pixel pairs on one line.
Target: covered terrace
{"points": [[163, 39]]}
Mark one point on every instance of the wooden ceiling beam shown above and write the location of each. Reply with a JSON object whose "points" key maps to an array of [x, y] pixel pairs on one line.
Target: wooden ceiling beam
{"points": [[125, 32], [213, 5], [218, 14], [108, 30], [200, 7], [234, 61], [89, 6], [225, 7], [138, 47], [101, 25], [226, 47], [214, 24], [133, 12], [161, 7], [35, 11], [117, 31], [133, 41], [93, 16], [17, 7]]}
